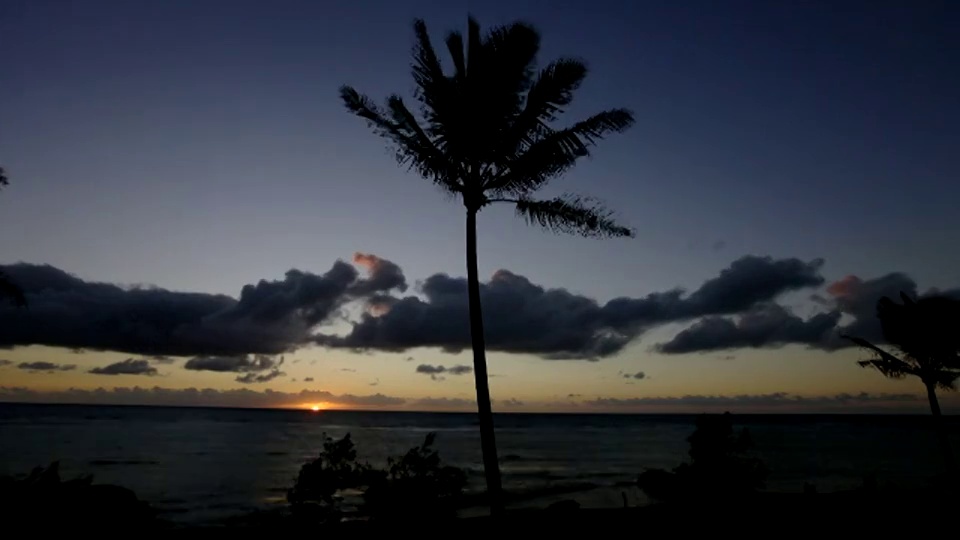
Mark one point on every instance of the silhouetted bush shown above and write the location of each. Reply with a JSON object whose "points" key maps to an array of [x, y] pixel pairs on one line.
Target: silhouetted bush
{"points": [[415, 485], [720, 465], [42, 501], [314, 496]]}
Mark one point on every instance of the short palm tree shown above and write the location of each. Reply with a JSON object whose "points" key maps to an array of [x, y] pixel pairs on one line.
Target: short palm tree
{"points": [[927, 334], [486, 134]]}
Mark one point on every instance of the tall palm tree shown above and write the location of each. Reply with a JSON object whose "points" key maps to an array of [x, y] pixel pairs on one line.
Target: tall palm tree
{"points": [[927, 334], [8, 289], [486, 134]]}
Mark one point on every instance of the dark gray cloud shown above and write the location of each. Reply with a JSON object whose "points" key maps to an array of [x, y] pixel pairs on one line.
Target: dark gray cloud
{"points": [[459, 370], [254, 377], [269, 317], [383, 275], [235, 364], [430, 370], [773, 399], [48, 367], [130, 366], [638, 375], [252, 369], [767, 325], [522, 317], [205, 397], [435, 372], [308, 379], [512, 402], [850, 308], [5, 362]]}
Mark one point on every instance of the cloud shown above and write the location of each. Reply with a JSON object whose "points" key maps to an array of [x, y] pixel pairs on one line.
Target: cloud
{"points": [[435, 372], [48, 367], [130, 366], [851, 299], [349, 370], [203, 397], [253, 377], [774, 399], [736, 308], [308, 379], [460, 370], [236, 364], [384, 275], [522, 317], [638, 375], [430, 370], [269, 317], [5, 362], [512, 402], [768, 325]]}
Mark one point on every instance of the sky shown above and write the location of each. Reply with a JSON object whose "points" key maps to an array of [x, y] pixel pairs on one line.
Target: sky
{"points": [[197, 220]]}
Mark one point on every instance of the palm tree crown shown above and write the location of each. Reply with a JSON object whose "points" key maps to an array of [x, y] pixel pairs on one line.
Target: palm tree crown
{"points": [[926, 332], [486, 132]]}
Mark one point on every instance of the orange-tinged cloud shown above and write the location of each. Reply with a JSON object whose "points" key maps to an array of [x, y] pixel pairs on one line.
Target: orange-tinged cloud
{"points": [[368, 260], [845, 287]]}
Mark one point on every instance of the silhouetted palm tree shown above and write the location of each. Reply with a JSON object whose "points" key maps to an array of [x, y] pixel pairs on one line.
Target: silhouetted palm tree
{"points": [[485, 135], [927, 334], [8, 289]]}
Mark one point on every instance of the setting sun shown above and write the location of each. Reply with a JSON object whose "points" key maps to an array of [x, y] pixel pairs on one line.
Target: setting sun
{"points": [[315, 408]]}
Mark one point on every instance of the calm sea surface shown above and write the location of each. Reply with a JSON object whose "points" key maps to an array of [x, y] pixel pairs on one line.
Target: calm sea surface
{"points": [[207, 464]]}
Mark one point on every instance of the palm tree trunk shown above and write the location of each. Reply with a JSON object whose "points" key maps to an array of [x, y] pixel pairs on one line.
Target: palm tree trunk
{"points": [[941, 429], [488, 443]]}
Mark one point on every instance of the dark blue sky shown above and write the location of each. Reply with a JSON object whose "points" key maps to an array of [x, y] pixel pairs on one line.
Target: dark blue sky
{"points": [[202, 145]]}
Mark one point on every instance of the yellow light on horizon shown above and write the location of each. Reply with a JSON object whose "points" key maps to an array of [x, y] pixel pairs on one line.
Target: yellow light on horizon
{"points": [[315, 408]]}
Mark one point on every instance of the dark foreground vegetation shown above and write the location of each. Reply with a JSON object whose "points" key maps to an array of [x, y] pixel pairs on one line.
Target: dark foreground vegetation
{"points": [[717, 491]]}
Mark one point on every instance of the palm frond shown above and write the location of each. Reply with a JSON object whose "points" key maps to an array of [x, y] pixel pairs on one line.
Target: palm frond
{"points": [[3, 178], [499, 74], [11, 291], [573, 215], [884, 362], [946, 379], [557, 151], [412, 145], [455, 47], [474, 46], [551, 91]]}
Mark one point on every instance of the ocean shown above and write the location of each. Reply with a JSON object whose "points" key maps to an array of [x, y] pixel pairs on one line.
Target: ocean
{"points": [[203, 464]]}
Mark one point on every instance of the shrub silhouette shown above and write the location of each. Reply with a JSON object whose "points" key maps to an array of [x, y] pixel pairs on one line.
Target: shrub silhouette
{"points": [[314, 496], [415, 485], [42, 501], [720, 465]]}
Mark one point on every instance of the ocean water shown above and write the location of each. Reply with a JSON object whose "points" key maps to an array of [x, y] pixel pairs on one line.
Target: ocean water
{"points": [[201, 465]]}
